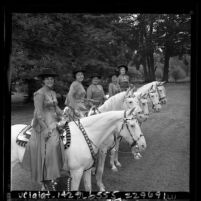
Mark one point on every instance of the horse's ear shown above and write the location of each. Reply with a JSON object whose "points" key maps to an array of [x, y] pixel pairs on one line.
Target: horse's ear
{"points": [[144, 95], [161, 83], [131, 111], [134, 89], [127, 92], [151, 87]]}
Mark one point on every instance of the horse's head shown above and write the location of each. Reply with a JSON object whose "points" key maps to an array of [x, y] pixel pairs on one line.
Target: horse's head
{"points": [[161, 92], [154, 97], [131, 100], [143, 103], [131, 131], [93, 110]]}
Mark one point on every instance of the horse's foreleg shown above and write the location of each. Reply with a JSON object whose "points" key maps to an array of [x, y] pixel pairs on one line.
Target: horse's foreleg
{"points": [[100, 169], [87, 180], [112, 159], [76, 176], [43, 188], [117, 154]]}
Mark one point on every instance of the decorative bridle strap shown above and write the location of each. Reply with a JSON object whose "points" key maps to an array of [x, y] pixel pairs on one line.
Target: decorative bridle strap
{"points": [[89, 142]]}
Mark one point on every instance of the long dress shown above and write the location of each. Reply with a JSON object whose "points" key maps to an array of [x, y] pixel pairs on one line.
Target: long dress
{"points": [[76, 99], [96, 93], [45, 159], [123, 81]]}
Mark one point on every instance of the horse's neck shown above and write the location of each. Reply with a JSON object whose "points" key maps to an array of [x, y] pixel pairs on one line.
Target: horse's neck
{"points": [[99, 127], [113, 103], [145, 88]]}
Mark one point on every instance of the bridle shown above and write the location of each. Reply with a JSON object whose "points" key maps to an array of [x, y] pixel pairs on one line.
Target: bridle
{"points": [[125, 122], [160, 98], [153, 105]]}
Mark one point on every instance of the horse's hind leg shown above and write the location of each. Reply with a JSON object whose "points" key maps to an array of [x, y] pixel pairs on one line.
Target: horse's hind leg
{"points": [[76, 176], [87, 180], [100, 169]]}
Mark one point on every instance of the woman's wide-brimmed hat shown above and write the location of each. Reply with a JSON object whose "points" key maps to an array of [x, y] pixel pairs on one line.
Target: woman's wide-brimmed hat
{"points": [[77, 70], [47, 72], [123, 66], [115, 72], [98, 75]]}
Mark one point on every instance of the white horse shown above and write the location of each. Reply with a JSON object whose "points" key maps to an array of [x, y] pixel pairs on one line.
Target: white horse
{"points": [[120, 101], [157, 95], [98, 128], [124, 100]]}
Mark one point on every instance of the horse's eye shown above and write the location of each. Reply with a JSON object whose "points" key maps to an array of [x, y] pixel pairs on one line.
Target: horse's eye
{"points": [[132, 126]]}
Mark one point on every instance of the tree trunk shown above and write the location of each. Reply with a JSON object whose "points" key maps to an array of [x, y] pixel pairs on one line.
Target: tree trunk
{"points": [[152, 70], [166, 67], [146, 77]]}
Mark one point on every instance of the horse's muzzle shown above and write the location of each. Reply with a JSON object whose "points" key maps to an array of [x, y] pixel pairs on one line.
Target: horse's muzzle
{"points": [[142, 117], [157, 107]]}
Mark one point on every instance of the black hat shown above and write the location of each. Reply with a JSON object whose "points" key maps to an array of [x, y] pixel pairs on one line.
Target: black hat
{"points": [[98, 75], [115, 72], [123, 66], [47, 72], [77, 70]]}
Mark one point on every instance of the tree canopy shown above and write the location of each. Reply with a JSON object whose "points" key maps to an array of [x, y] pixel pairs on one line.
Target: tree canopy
{"points": [[98, 42]]}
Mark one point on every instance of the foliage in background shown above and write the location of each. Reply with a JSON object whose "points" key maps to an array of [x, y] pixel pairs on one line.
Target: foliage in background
{"points": [[99, 43]]}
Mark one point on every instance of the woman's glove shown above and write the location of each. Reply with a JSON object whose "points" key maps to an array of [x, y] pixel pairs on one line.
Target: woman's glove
{"points": [[47, 133]]}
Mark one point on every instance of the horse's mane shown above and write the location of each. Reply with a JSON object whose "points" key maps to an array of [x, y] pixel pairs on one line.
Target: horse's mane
{"points": [[92, 120], [113, 103], [143, 89]]}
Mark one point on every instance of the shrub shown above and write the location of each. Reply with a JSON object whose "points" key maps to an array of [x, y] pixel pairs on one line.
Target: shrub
{"points": [[158, 73], [177, 73]]}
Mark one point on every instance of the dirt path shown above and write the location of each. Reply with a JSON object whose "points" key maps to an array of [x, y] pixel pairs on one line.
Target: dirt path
{"points": [[165, 164]]}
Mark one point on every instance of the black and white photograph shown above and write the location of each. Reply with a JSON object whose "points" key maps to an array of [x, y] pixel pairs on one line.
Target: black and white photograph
{"points": [[100, 102]]}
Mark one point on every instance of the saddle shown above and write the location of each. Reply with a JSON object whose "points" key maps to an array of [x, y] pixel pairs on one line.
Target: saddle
{"points": [[25, 134]]}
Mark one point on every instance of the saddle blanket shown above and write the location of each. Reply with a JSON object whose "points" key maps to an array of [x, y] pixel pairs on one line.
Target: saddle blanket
{"points": [[25, 134]]}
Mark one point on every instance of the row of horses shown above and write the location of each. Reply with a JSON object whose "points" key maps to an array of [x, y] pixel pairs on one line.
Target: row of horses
{"points": [[119, 117]]}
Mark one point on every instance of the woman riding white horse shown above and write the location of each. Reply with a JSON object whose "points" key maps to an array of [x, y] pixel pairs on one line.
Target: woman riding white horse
{"points": [[17, 151], [98, 128]]}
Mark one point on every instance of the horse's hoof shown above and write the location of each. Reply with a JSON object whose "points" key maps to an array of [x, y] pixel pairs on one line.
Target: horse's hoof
{"points": [[114, 169], [118, 164], [43, 189], [93, 171], [102, 189]]}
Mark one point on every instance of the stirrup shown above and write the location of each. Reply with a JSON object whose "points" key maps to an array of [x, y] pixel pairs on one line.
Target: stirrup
{"points": [[53, 185]]}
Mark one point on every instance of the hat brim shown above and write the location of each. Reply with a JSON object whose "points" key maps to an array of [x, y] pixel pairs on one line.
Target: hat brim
{"points": [[93, 76], [122, 66], [78, 71], [47, 75]]}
